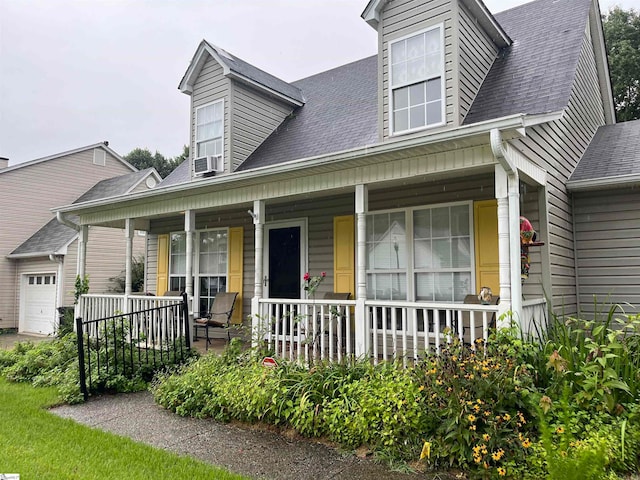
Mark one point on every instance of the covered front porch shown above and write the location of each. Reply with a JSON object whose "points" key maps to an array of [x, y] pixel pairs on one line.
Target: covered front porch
{"points": [[411, 236]]}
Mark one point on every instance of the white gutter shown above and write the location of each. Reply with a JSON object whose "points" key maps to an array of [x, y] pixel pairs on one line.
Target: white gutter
{"points": [[604, 183], [514, 221], [65, 221], [17, 256], [517, 122]]}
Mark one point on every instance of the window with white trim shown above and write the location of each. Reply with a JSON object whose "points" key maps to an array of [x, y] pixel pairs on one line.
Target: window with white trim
{"points": [[212, 266], [210, 129], [421, 254], [178, 262], [442, 261], [417, 80], [210, 256]]}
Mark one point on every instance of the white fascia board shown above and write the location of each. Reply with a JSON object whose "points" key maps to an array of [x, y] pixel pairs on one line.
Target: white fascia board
{"points": [[371, 13], [18, 256], [153, 173], [488, 22], [186, 84], [604, 183], [512, 122]]}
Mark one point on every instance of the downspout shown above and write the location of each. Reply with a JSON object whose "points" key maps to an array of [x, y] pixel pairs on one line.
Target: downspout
{"points": [[514, 220], [65, 221], [59, 259], [82, 241]]}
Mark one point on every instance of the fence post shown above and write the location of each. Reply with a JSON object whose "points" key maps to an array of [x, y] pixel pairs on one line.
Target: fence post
{"points": [[83, 378], [185, 319]]}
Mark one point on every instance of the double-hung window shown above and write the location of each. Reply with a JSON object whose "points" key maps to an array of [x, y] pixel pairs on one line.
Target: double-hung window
{"points": [[178, 262], [209, 265], [421, 254], [212, 266], [417, 80], [210, 129]]}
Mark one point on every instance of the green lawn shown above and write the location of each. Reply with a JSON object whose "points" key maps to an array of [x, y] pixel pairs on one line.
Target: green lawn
{"points": [[39, 445]]}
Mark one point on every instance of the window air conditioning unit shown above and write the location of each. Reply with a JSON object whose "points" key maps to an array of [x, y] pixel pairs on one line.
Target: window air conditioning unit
{"points": [[208, 164]]}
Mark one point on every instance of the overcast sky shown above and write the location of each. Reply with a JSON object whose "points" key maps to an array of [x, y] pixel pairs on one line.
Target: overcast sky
{"points": [[74, 73]]}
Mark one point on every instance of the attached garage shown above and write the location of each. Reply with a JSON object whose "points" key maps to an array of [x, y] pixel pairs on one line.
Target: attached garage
{"points": [[38, 305]]}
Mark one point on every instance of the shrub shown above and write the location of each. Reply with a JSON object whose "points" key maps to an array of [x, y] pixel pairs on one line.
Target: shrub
{"points": [[51, 363], [480, 406], [383, 409]]}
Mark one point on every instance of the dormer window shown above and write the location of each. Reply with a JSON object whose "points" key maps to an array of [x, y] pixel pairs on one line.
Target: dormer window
{"points": [[210, 129], [417, 80]]}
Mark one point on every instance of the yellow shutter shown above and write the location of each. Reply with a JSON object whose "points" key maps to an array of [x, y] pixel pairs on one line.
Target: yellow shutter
{"points": [[236, 243], [344, 255], [485, 219], [162, 274]]}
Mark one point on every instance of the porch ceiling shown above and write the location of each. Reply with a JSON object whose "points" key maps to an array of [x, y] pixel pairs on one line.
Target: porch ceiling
{"points": [[391, 163]]}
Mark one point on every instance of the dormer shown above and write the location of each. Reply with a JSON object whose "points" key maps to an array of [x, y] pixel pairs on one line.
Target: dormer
{"points": [[432, 58], [234, 108]]}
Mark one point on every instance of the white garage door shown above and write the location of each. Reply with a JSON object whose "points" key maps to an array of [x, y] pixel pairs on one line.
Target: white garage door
{"points": [[39, 303]]}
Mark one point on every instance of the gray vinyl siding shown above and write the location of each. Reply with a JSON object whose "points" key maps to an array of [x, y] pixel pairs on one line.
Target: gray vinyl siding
{"points": [[607, 226], [211, 85], [254, 117], [403, 17], [476, 55], [26, 196], [319, 214], [210, 220], [557, 147]]}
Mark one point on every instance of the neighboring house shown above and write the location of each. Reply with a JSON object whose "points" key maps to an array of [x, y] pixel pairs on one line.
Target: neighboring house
{"points": [[38, 255], [402, 175]]}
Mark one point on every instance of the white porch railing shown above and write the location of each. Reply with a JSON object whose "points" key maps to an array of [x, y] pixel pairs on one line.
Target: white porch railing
{"points": [[408, 329], [92, 307], [312, 330], [306, 330], [534, 317]]}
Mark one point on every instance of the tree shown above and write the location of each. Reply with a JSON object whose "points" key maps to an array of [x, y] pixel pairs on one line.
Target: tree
{"points": [[622, 34], [142, 158], [137, 277]]}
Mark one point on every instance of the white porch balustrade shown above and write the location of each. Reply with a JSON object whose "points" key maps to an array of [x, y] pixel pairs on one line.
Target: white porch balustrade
{"points": [[313, 330]]}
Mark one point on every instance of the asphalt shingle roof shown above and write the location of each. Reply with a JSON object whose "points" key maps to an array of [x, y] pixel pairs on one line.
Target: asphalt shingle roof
{"points": [[180, 174], [340, 113], [535, 74], [614, 151], [112, 187], [245, 69], [49, 239], [532, 76], [53, 236]]}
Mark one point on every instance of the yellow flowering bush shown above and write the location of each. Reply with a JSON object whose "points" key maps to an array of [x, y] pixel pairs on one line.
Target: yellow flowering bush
{"points": [[483, 403]]}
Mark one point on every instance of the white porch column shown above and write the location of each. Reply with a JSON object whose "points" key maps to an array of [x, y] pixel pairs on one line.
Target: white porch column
{"points": [[361, 321], [128, 233], [258, 215], [258, 222], [503, 241], [83, 238], [513, 188], [189, 227], [514, 247]]}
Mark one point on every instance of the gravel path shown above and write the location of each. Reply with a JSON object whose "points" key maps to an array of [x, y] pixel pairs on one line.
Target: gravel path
{"points": [[241, 449]]}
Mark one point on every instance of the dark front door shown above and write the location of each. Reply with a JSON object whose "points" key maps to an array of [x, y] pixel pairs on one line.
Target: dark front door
{"points": [[284, 262]]}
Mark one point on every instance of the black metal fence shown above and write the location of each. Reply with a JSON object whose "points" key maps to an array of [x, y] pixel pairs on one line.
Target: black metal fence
{"points": [[131, 345]]}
